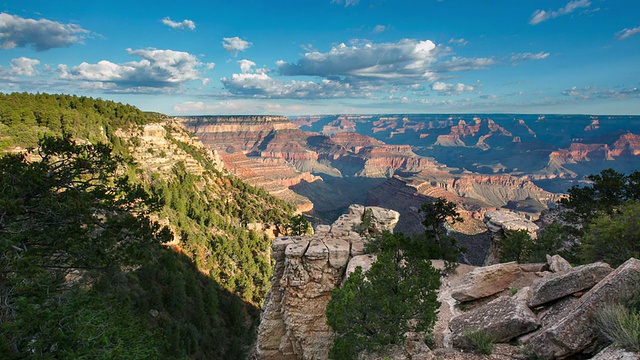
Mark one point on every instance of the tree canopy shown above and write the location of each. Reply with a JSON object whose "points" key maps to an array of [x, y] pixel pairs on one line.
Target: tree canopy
{"points": [[374, 310]]}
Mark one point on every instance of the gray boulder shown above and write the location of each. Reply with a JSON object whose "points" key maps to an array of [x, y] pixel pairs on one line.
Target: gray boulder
{"points": [[486, 281], [565, 283], [505, 318], [573, 333], [614, 353], [558, 264]]}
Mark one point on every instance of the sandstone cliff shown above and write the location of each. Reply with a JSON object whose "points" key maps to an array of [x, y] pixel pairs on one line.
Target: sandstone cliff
{"points": [[293, 323]]}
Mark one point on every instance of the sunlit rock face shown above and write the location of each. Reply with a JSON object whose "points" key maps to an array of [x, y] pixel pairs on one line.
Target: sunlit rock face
{"points": [[293, 324]]}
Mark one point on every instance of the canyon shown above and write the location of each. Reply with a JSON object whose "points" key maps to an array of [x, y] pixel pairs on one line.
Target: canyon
{"points": [[322, 164]]}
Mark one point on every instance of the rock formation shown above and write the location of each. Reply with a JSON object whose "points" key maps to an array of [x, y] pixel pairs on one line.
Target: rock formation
{"points": [[502, 222], [293, 324], [547, 306]]}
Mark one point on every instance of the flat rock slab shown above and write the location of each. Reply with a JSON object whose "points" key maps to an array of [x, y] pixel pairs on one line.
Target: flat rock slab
{"points": [[339, 251], [573, 333], [296, 249], [485, 281], [317, 250], [509, 221], [505, 318], [561, 284]]}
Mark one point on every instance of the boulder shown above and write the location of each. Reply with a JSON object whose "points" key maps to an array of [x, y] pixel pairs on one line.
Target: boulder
{"points": [[504, 318], [565, 283], [364, 261], [383, 219], [558, 264], [573, 333], [614, 353], [485, 281]]}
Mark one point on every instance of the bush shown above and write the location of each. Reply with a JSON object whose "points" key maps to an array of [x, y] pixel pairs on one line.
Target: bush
{"points": [[620, 325], [479, 341], [614, 238]]}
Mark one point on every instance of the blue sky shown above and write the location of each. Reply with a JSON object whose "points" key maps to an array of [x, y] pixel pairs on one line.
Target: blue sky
{"points": [[329, 56]]}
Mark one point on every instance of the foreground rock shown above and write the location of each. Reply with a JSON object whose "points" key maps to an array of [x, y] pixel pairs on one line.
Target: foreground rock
{"points": [[565, 283], [613, 353], [293, 323], [486, 281], [573, 333], [504, 319]]}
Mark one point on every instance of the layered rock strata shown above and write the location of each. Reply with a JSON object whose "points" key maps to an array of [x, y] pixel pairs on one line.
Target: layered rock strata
{"points": [[293, 323]]}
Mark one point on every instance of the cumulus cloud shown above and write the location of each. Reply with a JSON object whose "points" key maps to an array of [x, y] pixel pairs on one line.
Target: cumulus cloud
{"points": [[24, 66], [184, 24], [544, 15], [158, 70], [246, 65], [234, 45], [465, 64], [261, 85], [527, 56], [625, 33], [258, 84], [43, 34], [406, 58], [451, 89], [379, 29]]}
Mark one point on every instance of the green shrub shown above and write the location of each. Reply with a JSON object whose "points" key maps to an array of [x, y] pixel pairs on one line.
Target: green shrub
{"points": [[480, 341], [620, 325]]}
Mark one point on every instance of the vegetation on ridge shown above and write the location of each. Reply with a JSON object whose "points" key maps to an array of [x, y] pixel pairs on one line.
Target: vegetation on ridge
{"points": [[88, 278]]}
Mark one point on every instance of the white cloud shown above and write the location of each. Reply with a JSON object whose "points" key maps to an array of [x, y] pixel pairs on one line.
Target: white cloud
{"points": [[406, 58], [451, 89], [379, 29], [625, 33], [158, 70], [43, 34], [246, 65], [238, 106], [261, 85], [460, 41], [465, 64], [590, 92], [544, 15], [346, 3], [518, 58], [234, 45], [24, 66], [184, 24]]}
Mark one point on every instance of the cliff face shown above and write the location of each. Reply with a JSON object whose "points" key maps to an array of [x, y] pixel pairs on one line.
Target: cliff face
{"points": [[293, 323], [246, 144]]}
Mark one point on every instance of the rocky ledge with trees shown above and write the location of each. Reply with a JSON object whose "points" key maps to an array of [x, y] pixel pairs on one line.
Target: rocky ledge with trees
{"points": [[330, 298]]}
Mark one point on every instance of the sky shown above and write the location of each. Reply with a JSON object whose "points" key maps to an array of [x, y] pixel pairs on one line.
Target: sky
{"points": [[329, 56]]}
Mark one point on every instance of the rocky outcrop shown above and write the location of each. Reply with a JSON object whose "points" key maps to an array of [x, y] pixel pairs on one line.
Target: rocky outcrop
{"points": [[293, 323], [502, 222]]}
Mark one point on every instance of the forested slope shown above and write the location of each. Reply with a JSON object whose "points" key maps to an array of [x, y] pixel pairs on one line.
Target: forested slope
{"points": [[118, 242]]}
